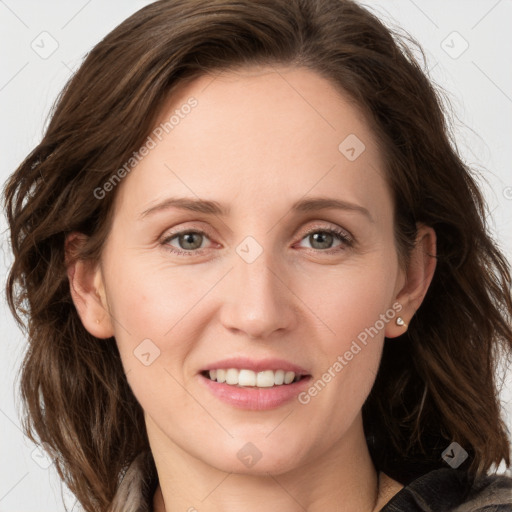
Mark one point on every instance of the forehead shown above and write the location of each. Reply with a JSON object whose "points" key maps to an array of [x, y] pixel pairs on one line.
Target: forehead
{"points": [[275, 133]]}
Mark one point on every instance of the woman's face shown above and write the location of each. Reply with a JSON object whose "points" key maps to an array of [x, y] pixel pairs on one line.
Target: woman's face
{"points": [[262, 282]]}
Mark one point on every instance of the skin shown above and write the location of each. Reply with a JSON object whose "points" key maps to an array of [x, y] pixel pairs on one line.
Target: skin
{"points": [[258, 140]]}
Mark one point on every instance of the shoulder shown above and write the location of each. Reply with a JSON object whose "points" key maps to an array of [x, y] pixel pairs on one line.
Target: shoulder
{"points": [[489, 494], [453, 490], [135, 491]]}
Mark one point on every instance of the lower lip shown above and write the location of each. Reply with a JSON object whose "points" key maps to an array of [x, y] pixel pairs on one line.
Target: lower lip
{"points": [[255, 399]]}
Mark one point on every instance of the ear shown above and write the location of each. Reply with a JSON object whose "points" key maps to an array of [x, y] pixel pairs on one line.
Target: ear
{"points": [[418, 276], [87, 289]]}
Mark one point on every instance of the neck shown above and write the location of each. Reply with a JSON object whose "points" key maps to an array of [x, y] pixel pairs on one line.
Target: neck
{"points": [[342, 479]]}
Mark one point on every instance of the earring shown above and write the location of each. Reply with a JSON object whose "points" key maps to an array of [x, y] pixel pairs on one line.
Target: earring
{"points": [[97, 321], [400, 322]]}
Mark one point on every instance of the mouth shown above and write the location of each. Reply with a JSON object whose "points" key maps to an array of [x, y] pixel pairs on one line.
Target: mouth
{"points": [[254, 384], [245, 378]]}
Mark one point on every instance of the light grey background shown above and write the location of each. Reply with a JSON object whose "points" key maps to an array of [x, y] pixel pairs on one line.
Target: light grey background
{"points": [[478, 81]]}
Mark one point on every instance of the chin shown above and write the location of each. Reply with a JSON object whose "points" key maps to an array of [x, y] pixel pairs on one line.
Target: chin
{"points": [[257, 457], [261, 468]]}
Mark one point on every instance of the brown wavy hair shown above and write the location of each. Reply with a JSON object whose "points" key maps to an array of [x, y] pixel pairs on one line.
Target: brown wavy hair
{"points": [[436, 383]]}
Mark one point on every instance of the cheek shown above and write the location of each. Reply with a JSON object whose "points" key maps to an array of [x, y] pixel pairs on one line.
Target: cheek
{"points": [[152, 300], [158, 313], [153, 320], [146, 306], [353, 307], [349, 299]]}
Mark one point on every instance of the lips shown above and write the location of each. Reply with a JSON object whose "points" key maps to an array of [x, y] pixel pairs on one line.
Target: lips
{"points": [[256, 385], [245, 363], [245, 377]]}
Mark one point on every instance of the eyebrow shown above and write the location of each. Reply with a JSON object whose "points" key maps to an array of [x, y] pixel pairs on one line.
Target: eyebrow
{"points": [[185, 203], [214, 208]]}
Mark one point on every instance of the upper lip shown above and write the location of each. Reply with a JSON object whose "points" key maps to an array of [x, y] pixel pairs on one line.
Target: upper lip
{"points": [[246, 363]]}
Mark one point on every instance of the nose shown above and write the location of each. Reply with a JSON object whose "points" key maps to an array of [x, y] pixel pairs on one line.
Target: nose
{"points": [[259, 301]]}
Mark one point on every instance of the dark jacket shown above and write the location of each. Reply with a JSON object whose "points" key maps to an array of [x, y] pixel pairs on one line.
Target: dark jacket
{"points": [[452, 490]]}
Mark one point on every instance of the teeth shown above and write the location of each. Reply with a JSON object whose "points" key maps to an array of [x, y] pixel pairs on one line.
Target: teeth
{"points": [[265, 379], [248, 378], [244, 378], [232, 376]]}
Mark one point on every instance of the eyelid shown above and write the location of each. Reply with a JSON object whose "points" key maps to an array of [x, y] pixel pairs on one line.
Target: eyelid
{"points": [[345, 238], [180, 229], [342, 233], [332, 227], [168, 236]]}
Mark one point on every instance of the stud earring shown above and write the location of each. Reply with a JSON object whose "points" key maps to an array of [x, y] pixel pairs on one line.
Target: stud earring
{"points": [[400, 322]]}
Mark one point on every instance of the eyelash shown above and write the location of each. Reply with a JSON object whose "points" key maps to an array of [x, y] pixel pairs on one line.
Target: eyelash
{"points": [[343, 236]]}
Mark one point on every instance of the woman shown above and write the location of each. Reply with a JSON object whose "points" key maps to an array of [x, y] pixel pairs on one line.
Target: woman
{"points": [[256, 274]]}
